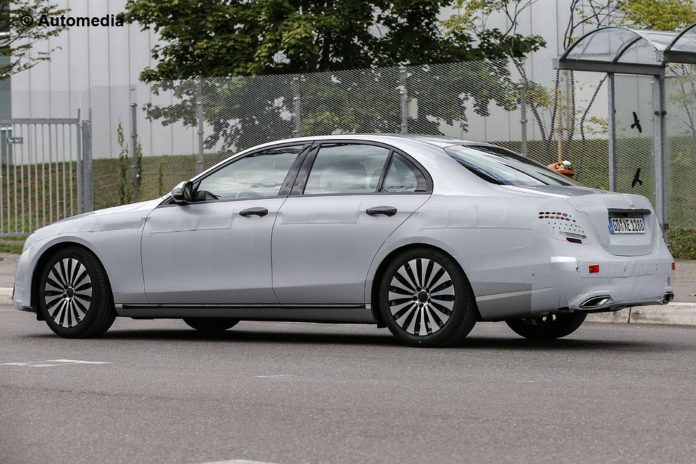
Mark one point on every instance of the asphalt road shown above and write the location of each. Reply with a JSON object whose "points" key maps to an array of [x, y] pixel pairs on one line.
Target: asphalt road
{"points": [[296, 393]]}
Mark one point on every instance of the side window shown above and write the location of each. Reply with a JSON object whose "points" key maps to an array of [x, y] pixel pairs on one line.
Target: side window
{"points": [[403, 176], [346, 168], [258, 175]]}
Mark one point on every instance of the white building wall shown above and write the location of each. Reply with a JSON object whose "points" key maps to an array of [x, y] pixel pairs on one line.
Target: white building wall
{"points": [[96, 69]]}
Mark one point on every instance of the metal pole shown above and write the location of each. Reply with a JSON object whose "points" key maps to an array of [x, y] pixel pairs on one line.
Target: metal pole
{"points": [[660, 113], [612, 131], [523, 118], [559, 125], [201, 133], [134, 151], [297, 107], [403, 95], [78, 141], [87, 166]]}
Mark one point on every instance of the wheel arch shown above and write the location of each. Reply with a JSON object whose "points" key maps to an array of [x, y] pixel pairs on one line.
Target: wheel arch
{"points": [[379, 273], [43, 259]]}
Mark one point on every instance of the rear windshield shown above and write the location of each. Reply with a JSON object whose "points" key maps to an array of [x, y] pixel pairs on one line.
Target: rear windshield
{"points": [[504, 167]]}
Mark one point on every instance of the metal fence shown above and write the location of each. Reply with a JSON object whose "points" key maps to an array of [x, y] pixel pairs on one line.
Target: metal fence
{"points": [[680, 163], [45, 174], [478, 100], [147, 143]]}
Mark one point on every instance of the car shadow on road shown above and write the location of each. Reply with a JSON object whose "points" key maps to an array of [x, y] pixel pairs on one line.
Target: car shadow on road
{"points": [[383, 338]]}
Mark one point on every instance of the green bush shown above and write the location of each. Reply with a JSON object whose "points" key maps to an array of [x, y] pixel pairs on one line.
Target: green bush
{"points": [[682, 243]]}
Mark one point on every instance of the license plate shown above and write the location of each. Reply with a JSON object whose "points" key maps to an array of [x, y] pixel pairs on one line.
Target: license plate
{"points": [[626, 225]]}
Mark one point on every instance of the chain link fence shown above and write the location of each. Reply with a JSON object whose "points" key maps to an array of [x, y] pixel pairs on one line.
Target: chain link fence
{"points": [[185, 127], [680, 163]]}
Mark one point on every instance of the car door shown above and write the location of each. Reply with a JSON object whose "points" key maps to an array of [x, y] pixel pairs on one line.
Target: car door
{"points": [[216, 249], [348, 198]]}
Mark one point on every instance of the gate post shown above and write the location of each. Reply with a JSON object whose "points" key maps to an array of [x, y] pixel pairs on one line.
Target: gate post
{"points": [[403, 100], [296, 107], [523, 117], [660, 148], [87, 195], [201, 129], [611, 128], [78, 141]]}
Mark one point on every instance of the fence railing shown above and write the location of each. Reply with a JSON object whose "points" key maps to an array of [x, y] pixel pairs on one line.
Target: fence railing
{"points": [[46, 172]]}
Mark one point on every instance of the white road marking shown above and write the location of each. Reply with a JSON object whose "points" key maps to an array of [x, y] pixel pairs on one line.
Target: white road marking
{"points": [[77, 361], [52, 363], [237, 461], [272, 376]]}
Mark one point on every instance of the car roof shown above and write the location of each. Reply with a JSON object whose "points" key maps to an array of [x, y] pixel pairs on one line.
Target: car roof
{"points": [[435, 140]]}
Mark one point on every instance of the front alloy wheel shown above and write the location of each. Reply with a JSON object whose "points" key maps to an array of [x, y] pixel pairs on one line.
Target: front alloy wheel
{"points": [[547, 327], [74, 294], [425, 299]]}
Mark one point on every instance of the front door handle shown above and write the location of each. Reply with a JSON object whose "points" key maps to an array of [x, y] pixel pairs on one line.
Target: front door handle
{"points": [[377, 210], [256, 211]]}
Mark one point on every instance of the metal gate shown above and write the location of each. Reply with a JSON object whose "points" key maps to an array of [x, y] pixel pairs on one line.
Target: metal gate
{"points": [[45, 174]]}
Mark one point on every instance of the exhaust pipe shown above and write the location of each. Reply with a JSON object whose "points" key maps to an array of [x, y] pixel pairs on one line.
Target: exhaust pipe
{"points": [[669, 296], [596, 302]]}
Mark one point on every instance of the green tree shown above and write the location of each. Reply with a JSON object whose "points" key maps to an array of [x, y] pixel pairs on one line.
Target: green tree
{"points": [[22, 20], [583, 14], [661, 15], [231, 39]]}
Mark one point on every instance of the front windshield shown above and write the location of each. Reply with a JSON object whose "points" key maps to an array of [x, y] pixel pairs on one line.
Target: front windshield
{"points": [[500, 166]]}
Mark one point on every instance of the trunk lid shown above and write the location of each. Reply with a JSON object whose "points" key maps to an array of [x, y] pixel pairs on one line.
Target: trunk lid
{"points": [[597, 206]]}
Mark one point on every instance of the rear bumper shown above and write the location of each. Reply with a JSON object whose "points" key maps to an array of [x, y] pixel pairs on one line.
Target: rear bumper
{"points": [[620, 282]]}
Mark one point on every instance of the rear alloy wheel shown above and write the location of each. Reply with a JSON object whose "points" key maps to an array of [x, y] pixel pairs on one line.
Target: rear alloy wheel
{"points": [[548, 327], [210, 325], [425, 299], [74, 294]]}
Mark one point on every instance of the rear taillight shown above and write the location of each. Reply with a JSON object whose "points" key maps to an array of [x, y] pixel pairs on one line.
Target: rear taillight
{"points": [[674, 266], [593, 269], [563, 226]]}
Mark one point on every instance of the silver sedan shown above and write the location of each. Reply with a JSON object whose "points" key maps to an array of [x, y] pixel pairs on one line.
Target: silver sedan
{"points": [[423, 235]]}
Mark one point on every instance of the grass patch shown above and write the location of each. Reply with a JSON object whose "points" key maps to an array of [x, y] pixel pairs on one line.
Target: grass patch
{"points": [[682, 243], [38, 191], [12, 246]]}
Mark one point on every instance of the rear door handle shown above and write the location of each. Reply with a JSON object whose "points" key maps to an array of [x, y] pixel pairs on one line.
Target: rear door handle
{"points": [[256, 211], [377, 210]]}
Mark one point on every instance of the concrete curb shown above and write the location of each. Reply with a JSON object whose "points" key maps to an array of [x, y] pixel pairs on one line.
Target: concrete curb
{"points": [[673, 313]]}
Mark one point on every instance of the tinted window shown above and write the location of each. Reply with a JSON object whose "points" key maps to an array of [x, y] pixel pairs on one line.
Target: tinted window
{"points": [[501, 166], [257, 175], [346, 169], [403, 176]]}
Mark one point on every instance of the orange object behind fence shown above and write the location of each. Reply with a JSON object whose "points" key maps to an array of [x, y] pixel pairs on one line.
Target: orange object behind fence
{"points": [[563, 167]]}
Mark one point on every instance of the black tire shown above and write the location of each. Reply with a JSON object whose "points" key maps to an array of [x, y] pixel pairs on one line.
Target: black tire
{"points": [[210, 325], [547, 327], [74, 294], [413, 304]]}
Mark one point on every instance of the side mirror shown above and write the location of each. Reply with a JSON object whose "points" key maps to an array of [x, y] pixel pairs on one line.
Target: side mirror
{"points": [[183, 192]]}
